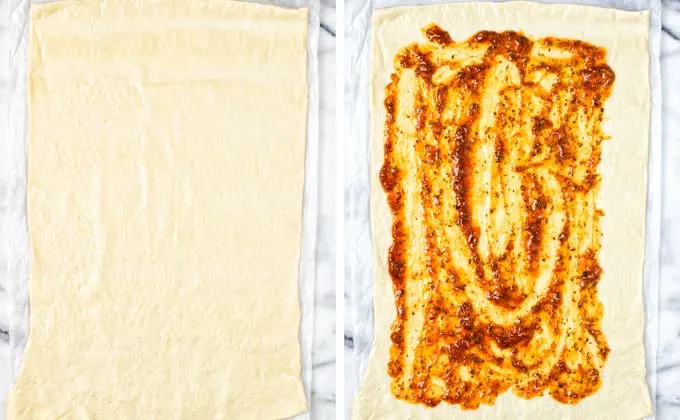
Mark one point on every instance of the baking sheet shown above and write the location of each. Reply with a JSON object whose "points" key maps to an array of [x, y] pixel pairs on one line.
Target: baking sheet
{"points": [[14, 250], [358, 246]]}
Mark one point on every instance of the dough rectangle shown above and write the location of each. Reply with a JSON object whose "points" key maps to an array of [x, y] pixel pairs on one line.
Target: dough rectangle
{"points": [[165, 178], [624, 392]]}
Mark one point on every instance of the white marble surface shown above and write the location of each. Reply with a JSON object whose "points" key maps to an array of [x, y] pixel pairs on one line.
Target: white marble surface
{"points": [[668, 355], [323, 352], [668, 389]]}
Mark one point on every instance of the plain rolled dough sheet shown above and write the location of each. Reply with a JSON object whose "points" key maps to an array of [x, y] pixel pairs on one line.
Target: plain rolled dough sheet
{"points": [[165, 181], [624, 393]]}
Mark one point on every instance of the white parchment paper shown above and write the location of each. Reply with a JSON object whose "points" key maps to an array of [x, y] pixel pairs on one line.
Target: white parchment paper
{"points": [[14, 250], [358, 246]]}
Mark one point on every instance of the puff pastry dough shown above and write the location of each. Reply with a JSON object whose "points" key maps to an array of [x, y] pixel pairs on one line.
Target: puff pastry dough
{"points": [[623, 393], [166, 163]]}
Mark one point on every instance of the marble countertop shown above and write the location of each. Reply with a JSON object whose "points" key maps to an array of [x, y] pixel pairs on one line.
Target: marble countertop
{"points": [[323, 351], [668, 386]]}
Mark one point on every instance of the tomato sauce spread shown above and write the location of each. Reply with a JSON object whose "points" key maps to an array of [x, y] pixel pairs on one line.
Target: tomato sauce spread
{"points": [[490, 167]]}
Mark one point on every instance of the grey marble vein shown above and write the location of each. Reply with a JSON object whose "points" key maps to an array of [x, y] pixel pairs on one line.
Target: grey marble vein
{"points": [[327, 28]]}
